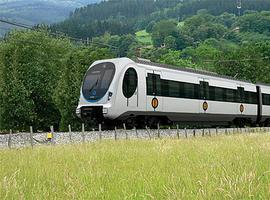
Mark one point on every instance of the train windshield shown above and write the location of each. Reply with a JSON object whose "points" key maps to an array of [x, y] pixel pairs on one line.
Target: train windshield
{"points": [[97, 81]]}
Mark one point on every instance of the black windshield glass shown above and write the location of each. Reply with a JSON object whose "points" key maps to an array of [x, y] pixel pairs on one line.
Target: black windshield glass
{"points": [[97, 81]]}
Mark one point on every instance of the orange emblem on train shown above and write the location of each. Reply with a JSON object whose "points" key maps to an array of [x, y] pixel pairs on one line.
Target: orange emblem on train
{"points": [[154, 103], [205, 106], [242, 108]]}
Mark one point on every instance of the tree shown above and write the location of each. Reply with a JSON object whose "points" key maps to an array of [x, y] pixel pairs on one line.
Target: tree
{"points": [[163, 29], [170, 42], [174, 58], [30, 62]]}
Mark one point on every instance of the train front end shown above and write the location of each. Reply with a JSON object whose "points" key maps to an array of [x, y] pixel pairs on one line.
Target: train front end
{"points": [[96, 91]]}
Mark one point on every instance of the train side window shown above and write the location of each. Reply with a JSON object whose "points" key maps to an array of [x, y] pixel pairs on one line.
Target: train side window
{"points": [[130, 82], [240, 95], [266, 99], [219, 96], [204, 90], [230, 95], [173, 89], [212, 93], [153, 84]]}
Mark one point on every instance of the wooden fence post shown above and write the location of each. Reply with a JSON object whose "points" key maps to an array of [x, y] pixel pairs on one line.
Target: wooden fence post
{"points": [[203, 132], [177, 131], [99, 131], [209, 131], [115, 133], [216, 131], [31, 137], [83, 133], [125, 129], [158, 133], [194, 133], [148, 132], [69, 131], [136, 132], [9, 139], [186, 132]]}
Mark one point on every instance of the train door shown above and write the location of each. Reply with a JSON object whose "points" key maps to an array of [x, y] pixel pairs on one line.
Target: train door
{"points": [[130, 87], [154, 99], [204, 95]]}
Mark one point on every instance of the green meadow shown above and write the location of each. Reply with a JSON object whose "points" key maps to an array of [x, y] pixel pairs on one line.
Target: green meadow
{"points": [[223, 167]]}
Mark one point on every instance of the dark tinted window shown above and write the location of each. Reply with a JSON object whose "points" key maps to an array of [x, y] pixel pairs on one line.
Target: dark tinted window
{"points": [[97, 81], [130, 83], [266, 99], [168, 88], [154, 84]]}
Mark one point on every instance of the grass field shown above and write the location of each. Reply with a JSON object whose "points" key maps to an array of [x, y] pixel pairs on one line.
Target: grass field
{"points": [[222, 167], [144, 37]]}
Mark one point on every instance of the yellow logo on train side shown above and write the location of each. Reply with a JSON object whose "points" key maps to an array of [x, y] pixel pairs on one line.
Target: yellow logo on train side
{"points": [[242, 108], [154, 103], [205, 106]]}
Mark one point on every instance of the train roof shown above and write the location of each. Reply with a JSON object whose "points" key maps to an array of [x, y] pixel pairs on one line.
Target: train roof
{"points": [[184, 69]]}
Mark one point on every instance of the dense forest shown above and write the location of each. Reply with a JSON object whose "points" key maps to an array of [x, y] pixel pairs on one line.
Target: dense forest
{"points": [[41, 71]]}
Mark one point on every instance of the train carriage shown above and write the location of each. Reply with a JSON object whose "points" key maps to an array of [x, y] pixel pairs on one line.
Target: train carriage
{"points": [[139, 92]]}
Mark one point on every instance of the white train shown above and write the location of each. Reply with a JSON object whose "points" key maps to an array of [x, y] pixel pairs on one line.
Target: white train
{"points": [[141, 92]]}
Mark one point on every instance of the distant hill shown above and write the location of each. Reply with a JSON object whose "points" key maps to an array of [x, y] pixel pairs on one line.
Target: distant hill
{"points": [[119, 17], [38, 11]]}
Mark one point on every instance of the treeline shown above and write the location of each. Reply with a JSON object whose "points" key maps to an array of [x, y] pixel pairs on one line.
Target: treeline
{"points": [[40, 79], [119, 17]]}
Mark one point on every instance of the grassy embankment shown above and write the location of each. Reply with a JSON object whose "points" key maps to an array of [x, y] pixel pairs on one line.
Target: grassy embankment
{"points": [[222, 167]]}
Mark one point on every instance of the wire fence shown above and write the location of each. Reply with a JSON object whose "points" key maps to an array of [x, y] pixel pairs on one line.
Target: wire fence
{"points": [[31, 139]]}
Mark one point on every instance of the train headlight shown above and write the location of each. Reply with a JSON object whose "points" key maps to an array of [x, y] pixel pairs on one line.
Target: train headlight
{"points": [[78, 112], [110, 96], [105, 110]]}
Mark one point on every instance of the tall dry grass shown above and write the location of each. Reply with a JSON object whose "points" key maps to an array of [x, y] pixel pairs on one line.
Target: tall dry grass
{"points": [[223, 167]]}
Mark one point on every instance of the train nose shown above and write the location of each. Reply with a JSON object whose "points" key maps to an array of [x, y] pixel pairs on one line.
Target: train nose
{"points": [[92, 112]]}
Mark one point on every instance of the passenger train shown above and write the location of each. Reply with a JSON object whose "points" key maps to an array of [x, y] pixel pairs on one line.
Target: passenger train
{"points": [[139, 92]]}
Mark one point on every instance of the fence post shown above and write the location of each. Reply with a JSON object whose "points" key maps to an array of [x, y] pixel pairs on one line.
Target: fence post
{"points": [[186, 132], [158, 133], [83, 130], [115, 133], [52, 132], [137, 136], [209, 130], [31, 136], [9, 139], [69, 131], [148, 132], [177, 131], [99, 131], [125, 129], [216, 131], [203, 132], [226, 131], [194, 133]]}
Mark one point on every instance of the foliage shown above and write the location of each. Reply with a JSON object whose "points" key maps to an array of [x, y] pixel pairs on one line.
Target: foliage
{"points": [[40, 79], [254, 64], [30, 67], [144, 37], [174, 58]]}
